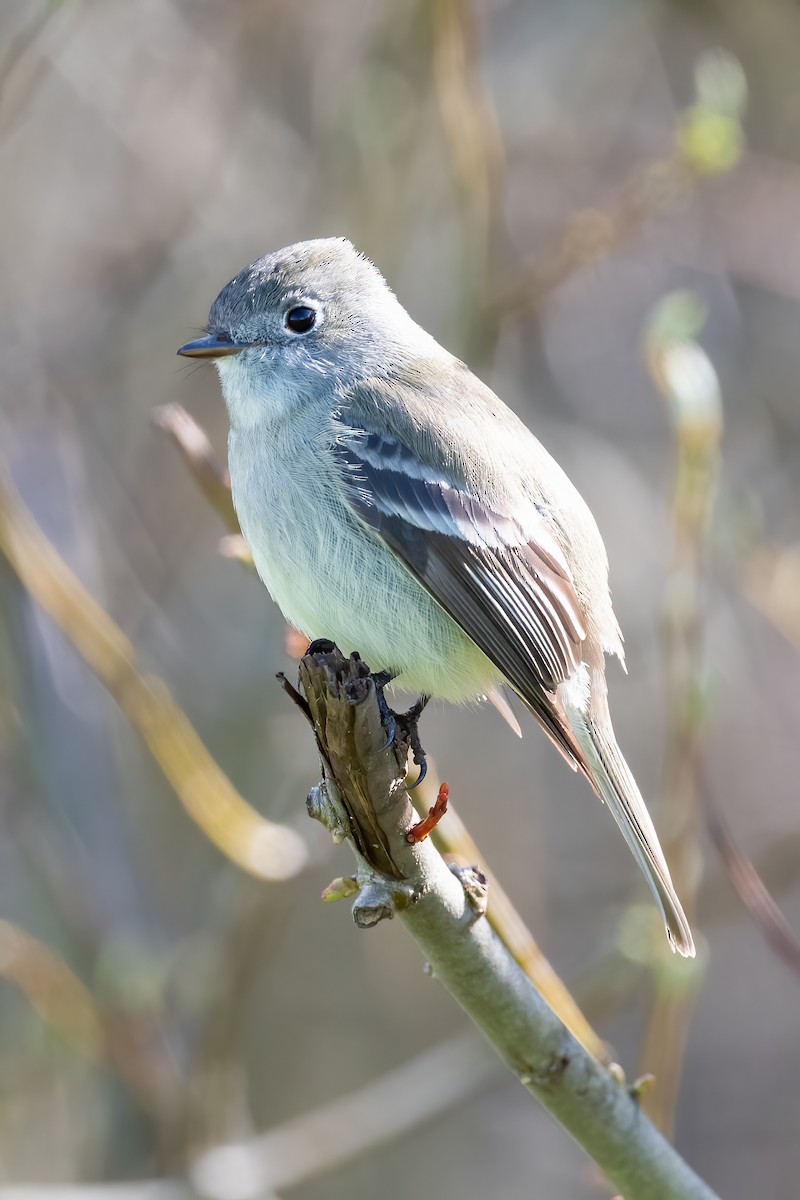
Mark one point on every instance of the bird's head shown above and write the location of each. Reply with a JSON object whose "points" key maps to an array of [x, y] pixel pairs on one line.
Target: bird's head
{"points": [[314, 315]]}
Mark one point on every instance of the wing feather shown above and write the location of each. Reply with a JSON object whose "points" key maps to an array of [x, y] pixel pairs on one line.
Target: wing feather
{"points": [[505, 582]]}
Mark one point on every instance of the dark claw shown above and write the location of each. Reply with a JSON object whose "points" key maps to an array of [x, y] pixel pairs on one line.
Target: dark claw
{"points": [[389, 718], [410, 725], [423, 771]]}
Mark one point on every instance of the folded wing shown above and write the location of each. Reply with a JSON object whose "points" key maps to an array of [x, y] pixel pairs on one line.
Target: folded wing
{"points": [[502, 577]]}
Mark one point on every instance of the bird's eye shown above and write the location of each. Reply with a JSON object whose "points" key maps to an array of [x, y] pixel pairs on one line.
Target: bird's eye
{"points": [[300, 319]]}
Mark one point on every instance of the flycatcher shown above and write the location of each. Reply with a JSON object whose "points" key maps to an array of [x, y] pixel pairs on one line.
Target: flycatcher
{"points": [[393, 504]]}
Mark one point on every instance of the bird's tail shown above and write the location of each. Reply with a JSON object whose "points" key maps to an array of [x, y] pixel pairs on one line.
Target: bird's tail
{"points": [[611, 778]]}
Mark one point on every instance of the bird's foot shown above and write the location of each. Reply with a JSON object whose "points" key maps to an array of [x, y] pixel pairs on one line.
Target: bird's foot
{"points": [[418, 832], [388, 715], [408, 723], [402, 727]]}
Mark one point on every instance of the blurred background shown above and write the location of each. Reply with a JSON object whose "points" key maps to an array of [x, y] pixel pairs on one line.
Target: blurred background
{"points": [[595, 205]]}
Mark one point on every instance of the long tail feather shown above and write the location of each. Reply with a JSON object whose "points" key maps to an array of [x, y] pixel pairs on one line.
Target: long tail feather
{"points": [[612, 780]]}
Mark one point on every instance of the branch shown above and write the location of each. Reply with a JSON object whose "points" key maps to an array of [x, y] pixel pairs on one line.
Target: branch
{"points": [[684, 375], [327, 1137], [362, 798], [208, 472], [264, 848], [305, 1147], [771, 581], [752, 891], [708, 142]]}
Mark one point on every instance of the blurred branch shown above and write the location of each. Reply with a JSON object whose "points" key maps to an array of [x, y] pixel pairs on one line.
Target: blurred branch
{"points": [[606, 983], [753, 893], [362, 798], [474, 150], [686, 379], [593, 234], [267, 850], [325, 1138], [238, 947], [778, 866], [26, 61], [468, 119], [772, 585], [51, 988], [708, 141], [297, 1151], [207, 470]]}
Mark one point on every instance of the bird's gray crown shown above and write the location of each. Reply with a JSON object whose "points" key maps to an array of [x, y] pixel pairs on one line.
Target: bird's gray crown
{"points": [[326, 269]]}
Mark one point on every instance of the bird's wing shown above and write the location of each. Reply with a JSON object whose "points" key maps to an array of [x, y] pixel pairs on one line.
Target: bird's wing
{"points": [[503, 578]]}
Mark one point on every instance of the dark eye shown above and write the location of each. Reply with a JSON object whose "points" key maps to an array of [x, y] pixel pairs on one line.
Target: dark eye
{"points": [[300, 319]]}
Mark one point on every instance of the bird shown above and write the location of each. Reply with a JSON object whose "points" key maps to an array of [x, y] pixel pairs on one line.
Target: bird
{"points": [[394, 505]]}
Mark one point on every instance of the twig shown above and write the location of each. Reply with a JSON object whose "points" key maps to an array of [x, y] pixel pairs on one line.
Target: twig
{"points": [[240, 946], [325, 1138], [469, 122], [208, 472], [362, 798], [772, 584], [26, 62], [51, 988], [605, 984], [687, 380], [297, 1151], [708, 141], [777, 865], [753, 892], [474, 151], [592, 235], [262, 847]]}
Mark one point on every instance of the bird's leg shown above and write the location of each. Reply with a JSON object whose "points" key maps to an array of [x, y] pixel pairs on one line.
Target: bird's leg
{"points": [[402, 726], [388, 716], [408, 723]]}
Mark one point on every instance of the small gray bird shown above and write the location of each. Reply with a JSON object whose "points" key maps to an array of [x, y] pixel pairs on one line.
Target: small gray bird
{"points": [[393, 504]]}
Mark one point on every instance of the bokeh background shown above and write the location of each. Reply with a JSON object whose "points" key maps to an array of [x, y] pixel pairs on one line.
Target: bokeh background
{"points": [[534, 179]]}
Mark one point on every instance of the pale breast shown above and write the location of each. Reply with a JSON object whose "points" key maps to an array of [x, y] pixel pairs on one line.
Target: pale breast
{"points": [[334, 578]]}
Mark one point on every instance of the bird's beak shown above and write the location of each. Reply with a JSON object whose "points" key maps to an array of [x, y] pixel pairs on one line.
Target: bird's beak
{"points": [[211, 346]]}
